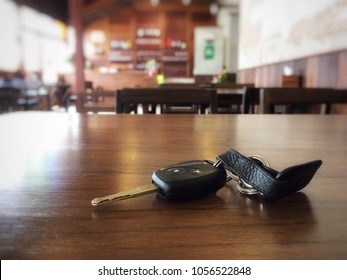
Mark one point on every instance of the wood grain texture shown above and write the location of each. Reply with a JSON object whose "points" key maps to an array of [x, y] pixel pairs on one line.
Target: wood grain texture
{"points": [[302, 97], [53, 164], [321, 70]]}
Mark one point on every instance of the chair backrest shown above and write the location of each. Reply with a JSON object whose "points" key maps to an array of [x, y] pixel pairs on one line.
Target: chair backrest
{"points": [[228, 85], [251, 98], [231, 77], [300, 96], [182, 85], [128, 97], [229, 97], [96, 101], [203, 79]]}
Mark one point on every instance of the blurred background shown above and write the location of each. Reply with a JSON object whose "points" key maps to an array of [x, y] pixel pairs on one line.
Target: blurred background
{"points": [[115, 43]]}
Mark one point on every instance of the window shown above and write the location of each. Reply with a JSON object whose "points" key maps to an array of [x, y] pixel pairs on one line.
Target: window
{"points": [[32, 41], [9, 37]]}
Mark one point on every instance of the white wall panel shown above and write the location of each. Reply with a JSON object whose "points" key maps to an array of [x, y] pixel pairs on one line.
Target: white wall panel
{"points": [[279, 30]]}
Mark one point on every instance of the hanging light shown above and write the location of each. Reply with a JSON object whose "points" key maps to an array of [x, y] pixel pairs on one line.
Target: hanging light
{"points": [[186, 2], [154, 3], [214, 8]]}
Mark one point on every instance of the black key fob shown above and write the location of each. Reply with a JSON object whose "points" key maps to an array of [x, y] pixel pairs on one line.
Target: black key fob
{"points": [[189, 180]]}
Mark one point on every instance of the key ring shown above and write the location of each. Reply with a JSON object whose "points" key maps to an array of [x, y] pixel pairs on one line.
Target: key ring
{"points": [[242, 186]]}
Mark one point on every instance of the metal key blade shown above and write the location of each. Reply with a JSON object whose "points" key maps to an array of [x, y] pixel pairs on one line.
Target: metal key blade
{"points": [[139, 191]]}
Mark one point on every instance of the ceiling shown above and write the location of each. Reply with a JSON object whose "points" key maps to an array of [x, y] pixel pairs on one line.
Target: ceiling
{"points": [[59, 8]]}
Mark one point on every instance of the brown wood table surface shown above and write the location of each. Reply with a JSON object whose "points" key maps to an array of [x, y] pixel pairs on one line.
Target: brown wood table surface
{"points": [[53, 164]]}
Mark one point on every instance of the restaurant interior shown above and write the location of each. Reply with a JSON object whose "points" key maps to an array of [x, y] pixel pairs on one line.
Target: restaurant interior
{"points": [[78, 56]]}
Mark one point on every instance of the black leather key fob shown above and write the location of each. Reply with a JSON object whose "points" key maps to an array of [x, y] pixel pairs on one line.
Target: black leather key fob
{"points": [[271, 183]]}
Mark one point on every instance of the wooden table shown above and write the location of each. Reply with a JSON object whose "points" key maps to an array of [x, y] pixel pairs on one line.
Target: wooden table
{"points": [[230, 100], [53, 164]]}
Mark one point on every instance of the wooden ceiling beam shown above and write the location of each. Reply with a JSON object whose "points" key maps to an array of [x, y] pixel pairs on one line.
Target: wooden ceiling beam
{"points": [[98, 9], [102, 8]]}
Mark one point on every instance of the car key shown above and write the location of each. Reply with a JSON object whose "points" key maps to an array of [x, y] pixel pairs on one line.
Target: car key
{"points": [[179, 182]]}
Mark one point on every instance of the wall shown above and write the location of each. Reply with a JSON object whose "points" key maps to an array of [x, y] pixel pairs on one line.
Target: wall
{"points": [[308, 36], [273, 31]]}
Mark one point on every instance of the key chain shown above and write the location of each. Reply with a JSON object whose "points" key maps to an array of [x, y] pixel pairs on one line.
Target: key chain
{"points": [[242, 186], [197, 178], [257, 175]]}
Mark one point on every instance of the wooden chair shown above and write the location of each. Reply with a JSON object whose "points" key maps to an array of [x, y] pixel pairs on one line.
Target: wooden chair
{"points": [[203, 79], [184, 85], [188, 108], [227, 85], [169, 99], [231, 77], [97, 101], [251, 99], [269, 97], [8, 99], [231, 97], [14, 99]]}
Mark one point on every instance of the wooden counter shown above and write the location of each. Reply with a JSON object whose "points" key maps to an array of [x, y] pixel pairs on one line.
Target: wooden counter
{"points": [[114, 81]]}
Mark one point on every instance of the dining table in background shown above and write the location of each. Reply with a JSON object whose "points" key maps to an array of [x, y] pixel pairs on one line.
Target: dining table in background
{"points": [[53, 164], [13, 99], [231, 100]]}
